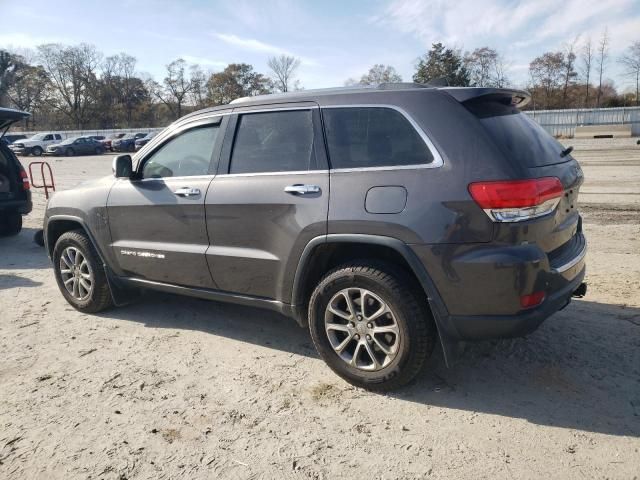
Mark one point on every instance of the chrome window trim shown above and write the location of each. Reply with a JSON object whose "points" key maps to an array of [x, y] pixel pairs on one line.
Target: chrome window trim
{"points": [[281, 172], [242, 110], [166, 179], [437, 158]]}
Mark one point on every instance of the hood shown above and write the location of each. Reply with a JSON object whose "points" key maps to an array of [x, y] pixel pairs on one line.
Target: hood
{"points": [[9, 116]]}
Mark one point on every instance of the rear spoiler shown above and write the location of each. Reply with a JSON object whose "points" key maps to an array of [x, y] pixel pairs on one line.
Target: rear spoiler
{"points": [[9, 116], [516, 98]]}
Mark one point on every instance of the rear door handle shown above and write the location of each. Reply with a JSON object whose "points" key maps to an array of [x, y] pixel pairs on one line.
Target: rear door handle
{"points": [[187, 192], [299, 189]]}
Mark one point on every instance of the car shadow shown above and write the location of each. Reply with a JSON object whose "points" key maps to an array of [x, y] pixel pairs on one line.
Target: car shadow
{"points": [[15, 281], [20, 252], [580, 370]]}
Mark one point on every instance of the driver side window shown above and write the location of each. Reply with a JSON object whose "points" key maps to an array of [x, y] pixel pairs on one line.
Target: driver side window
{"points": [[188, 154]]}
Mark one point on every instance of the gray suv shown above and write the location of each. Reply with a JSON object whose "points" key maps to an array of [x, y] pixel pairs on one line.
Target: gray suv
{"points": [[385, 219]]}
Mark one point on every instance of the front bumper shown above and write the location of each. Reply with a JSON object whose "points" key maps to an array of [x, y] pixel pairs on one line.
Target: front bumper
{"points": [[21, 150]]}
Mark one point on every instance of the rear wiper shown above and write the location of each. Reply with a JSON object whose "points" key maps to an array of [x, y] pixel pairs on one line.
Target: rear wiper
{"points": [[566, 152]]}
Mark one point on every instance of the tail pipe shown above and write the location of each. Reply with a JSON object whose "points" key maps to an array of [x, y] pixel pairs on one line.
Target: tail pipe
{"points": [[581, 291]]}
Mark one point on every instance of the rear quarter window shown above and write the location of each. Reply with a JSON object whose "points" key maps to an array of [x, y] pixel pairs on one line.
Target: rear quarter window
{"points": [[363, 137]]}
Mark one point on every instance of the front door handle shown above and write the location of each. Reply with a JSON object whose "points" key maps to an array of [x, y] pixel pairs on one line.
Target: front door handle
{"points": [[187, 192], [299, 189]]}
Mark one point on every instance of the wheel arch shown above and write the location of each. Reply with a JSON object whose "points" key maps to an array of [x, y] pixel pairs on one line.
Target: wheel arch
{"points": [[320, 255], [60, 224]]}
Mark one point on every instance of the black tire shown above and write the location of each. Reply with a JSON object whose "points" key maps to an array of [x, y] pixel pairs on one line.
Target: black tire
{"points": [[10, 224], [36, 151], [407, 301], [132, 147], [99, 298], [69, 152], [99, 151]]}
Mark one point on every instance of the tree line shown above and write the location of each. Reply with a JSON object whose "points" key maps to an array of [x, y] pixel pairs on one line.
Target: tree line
{"points": [[77, 87]]}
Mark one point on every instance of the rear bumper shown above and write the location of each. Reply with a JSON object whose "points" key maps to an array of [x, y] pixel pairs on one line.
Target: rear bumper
{"points": [[21, 206], [481, 285], [507, 326]]}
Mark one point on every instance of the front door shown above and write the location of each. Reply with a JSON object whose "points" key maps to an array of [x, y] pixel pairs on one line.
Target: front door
{"points": [[269, 199], [157, 220]]}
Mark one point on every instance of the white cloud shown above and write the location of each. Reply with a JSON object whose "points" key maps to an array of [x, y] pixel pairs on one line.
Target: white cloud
{"points": [[203, 61], [261, 47], [21, 40]]}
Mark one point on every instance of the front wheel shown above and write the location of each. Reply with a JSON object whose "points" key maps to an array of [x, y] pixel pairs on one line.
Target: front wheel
{"points": [[371, 324], [36, 151], [69, 152], [79, 273]]}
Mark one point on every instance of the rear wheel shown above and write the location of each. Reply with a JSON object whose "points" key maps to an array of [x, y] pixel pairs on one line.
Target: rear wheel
{"points": [[371, 325], [10, 223], [132, 147], [79, 273], [36, 151], [99, 151]]}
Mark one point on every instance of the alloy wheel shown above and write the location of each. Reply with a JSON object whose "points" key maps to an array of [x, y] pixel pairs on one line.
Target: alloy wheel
{"points": [[76, 273], [362, 329]]}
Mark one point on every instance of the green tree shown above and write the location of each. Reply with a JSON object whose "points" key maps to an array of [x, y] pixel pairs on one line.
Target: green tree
{"points": [[442, 63], [235, 81], [9, 65]]}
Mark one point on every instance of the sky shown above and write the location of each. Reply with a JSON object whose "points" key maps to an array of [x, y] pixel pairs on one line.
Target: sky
{"points": [[335, 40]]}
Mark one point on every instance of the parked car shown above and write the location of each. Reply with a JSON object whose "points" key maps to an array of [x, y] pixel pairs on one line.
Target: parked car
{"points": [[141, 142], [36, 145], [106, 143], [12, 137], [15, 193], [127, 143], [76, 146], [385, 219]]}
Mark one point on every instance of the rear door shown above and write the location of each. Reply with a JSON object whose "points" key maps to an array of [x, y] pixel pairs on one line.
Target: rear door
{"points": [[157, 220], [269, 199]]}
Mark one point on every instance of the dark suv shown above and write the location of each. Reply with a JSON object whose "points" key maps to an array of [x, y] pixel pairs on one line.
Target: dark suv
{"points": [[383, 218], [15, 193]]}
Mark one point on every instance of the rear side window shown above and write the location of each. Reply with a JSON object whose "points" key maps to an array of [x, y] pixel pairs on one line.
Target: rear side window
{"points": [[360, 137], [517, 135], [274, 142]]}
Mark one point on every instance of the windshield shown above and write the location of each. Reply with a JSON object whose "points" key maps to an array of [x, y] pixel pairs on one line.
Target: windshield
{"points": [[128, 136], [69, 141], [38, 136]]}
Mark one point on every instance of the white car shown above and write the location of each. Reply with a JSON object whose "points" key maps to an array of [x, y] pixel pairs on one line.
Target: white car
{"points": [[35, 145]]}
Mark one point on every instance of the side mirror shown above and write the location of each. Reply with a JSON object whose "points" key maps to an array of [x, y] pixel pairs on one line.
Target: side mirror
{"points": [[122, 166]]}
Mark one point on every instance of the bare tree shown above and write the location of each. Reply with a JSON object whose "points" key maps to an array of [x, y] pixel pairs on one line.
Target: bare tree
{"points": [[587, 61], [546, 74], [487, 68], [569, 73], [284, 69], [603, 56], [198, 87], [631, 62], [175, 87], [376, 75], [72, 75]]}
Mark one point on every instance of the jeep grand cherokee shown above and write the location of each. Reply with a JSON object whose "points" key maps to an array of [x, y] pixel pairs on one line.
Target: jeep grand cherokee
{"points": [[384, 218]]}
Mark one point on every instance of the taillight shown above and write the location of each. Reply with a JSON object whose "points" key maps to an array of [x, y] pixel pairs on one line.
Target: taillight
{"points": [[25, 180], [517, 200]]}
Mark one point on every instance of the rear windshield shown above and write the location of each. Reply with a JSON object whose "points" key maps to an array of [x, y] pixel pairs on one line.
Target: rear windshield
{"points": [[520, 137]]}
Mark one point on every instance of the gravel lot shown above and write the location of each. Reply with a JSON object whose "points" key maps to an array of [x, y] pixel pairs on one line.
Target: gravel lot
{"points": [[174, 387]]}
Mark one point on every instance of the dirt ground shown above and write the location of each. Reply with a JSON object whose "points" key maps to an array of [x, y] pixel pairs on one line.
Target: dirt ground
{"points": [[174, 387]]}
